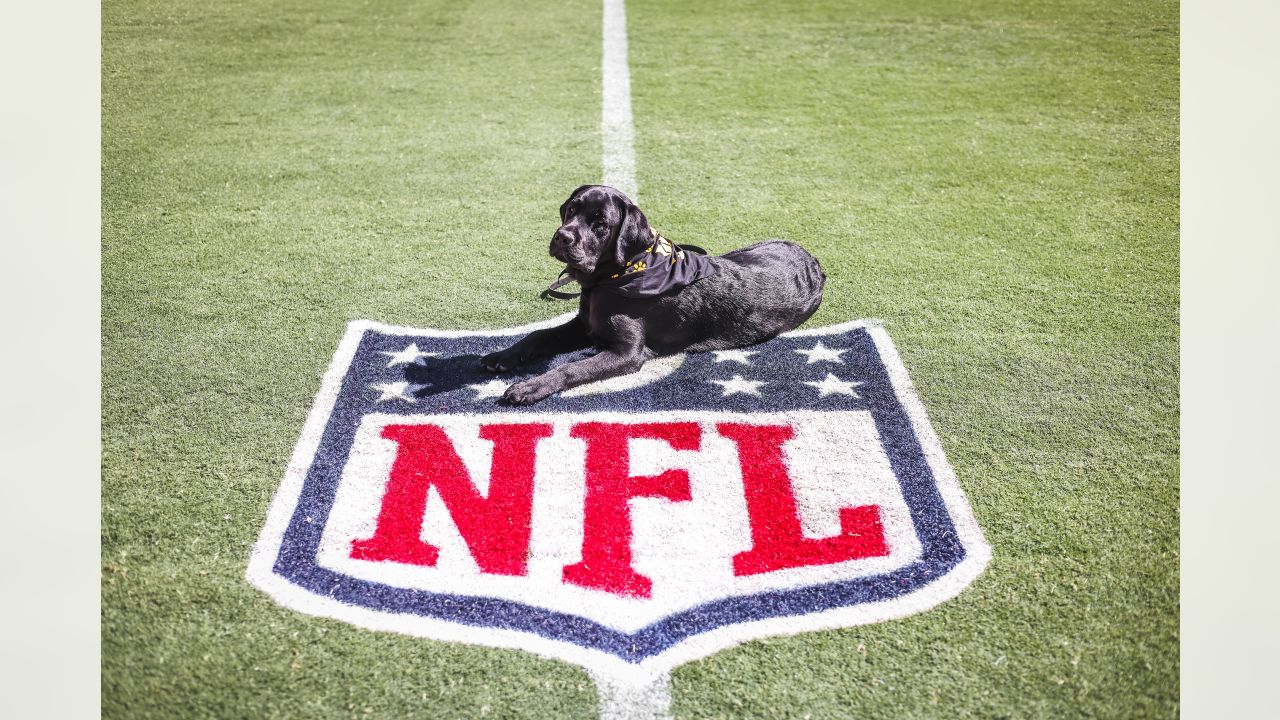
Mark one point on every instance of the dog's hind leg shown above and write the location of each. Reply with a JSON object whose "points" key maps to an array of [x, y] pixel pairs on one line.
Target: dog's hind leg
{"points": [[564, 338]]}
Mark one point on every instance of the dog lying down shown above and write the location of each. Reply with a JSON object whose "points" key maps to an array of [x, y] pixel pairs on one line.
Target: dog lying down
{"points": [[642, 297]]}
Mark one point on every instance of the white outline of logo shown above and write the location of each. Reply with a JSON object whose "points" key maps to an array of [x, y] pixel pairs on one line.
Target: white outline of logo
{"points": [[260, 570]]}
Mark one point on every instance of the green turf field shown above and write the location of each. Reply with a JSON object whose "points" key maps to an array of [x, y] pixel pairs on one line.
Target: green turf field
{"points": [[998, 181]]}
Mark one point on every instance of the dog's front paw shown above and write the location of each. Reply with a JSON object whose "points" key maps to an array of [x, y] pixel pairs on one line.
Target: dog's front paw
{"points": [[528, 392], [503, 360]]}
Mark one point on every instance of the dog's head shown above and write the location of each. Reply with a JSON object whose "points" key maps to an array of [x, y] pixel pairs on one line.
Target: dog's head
{"points": [[599, 229]]}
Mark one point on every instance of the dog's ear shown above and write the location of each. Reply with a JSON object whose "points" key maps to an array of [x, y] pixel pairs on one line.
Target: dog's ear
{"points": [[634, 234], [564, 206]]}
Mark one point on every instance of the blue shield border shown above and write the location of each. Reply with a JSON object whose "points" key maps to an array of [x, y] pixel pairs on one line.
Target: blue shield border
{"points": [[284, 564]]}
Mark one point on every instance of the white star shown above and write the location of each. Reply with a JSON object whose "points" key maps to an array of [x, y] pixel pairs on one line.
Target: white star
{"points": [[832, 385], [821, 352], [734, 355], [398, 391], [408, 355], [739, 385], [493, 388]]}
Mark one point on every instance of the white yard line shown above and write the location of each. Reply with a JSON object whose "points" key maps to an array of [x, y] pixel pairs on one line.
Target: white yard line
{"points": [[621, 700], [631, 701], [616, 129]]}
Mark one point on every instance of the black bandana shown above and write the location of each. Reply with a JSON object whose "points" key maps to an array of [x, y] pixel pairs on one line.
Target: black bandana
{"points": [[661, 268]]}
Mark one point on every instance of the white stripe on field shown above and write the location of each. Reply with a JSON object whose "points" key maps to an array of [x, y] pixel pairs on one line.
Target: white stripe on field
{"points": [[616, 130], [622, 700]]}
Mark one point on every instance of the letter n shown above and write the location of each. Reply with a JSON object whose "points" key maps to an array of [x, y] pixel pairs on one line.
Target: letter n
{"points": [[495, 528], [777, 540]]}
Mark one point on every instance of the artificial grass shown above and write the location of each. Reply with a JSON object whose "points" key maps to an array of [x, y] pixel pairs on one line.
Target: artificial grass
{"points": [[997, 182]]}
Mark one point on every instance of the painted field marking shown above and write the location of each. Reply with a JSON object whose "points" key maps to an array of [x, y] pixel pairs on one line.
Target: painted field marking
{"points": [[622, 700], [617, 132], [870, 522]]}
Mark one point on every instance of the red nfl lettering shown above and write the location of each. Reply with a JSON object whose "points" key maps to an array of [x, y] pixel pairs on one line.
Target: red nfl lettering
{"points": [[496, 528], [777, 540], [606, 539]]}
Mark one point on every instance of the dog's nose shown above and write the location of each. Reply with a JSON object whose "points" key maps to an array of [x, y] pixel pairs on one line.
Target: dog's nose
{"points": [[563, 240], [564, 236]]}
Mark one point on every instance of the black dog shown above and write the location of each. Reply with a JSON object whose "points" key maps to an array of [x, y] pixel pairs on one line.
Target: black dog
{"points": [[643, 297]]}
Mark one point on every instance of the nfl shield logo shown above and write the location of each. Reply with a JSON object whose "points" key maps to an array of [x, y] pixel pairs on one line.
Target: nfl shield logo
{"points": [[627, 526]]}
